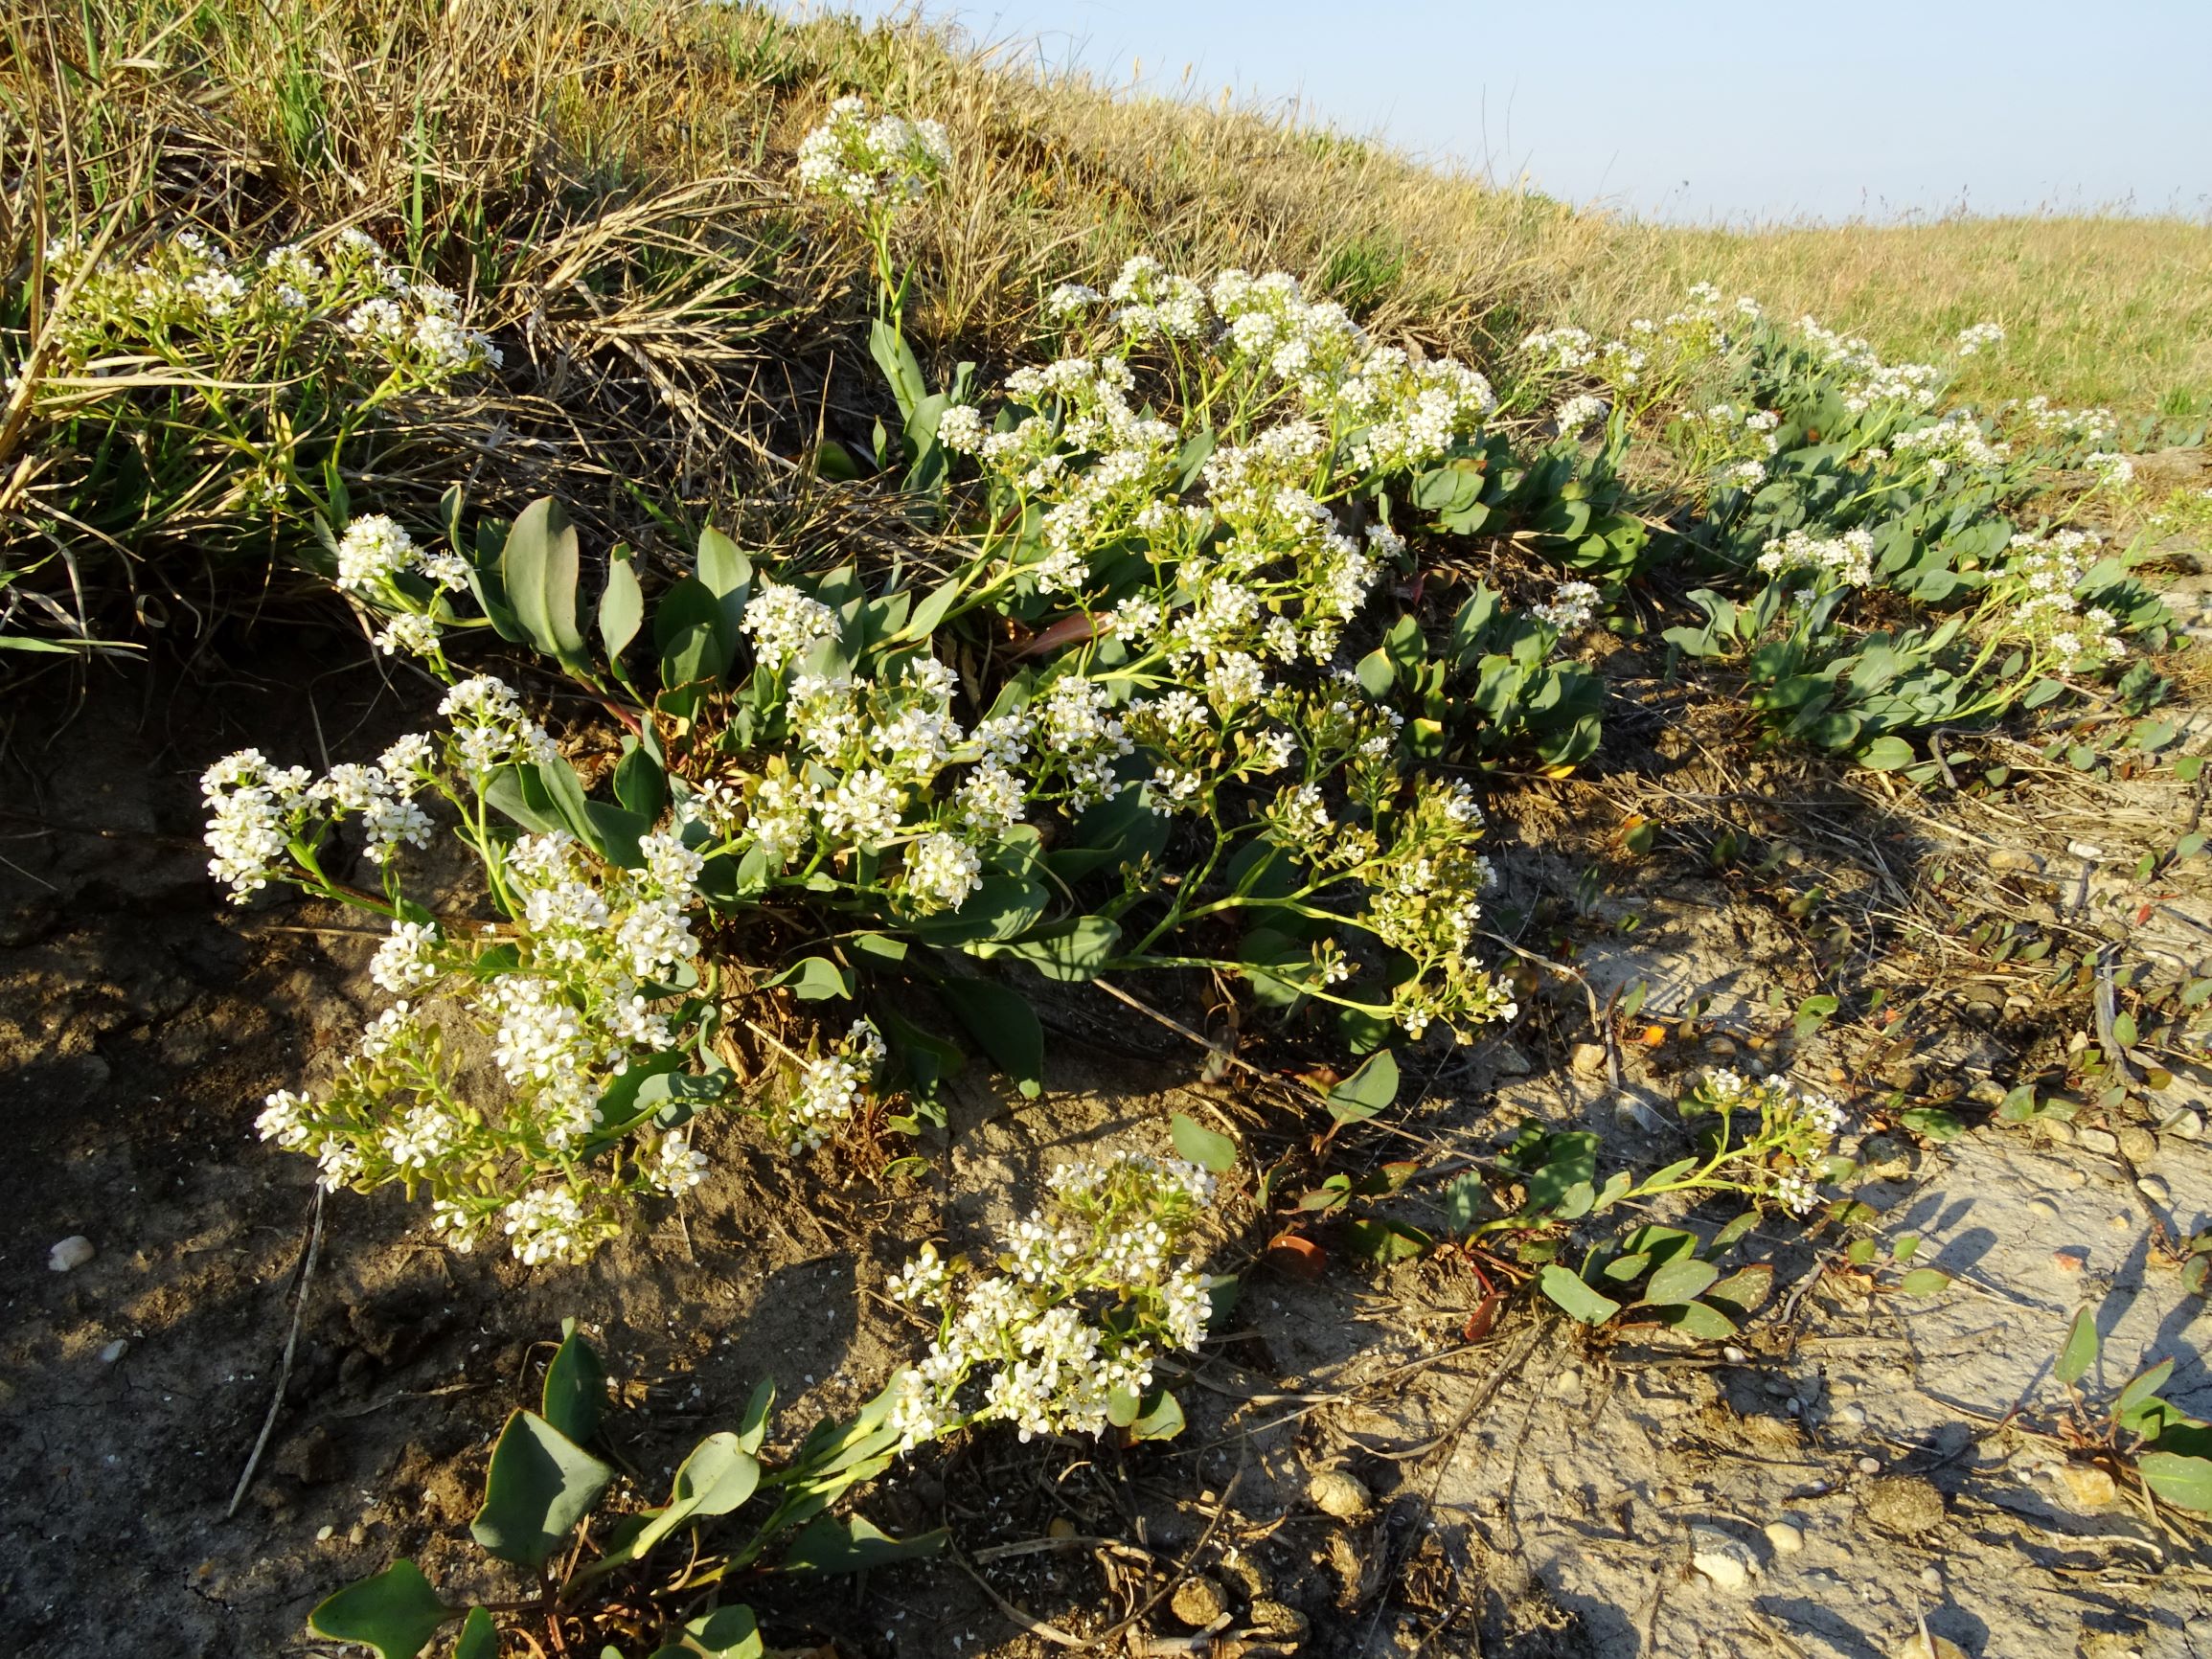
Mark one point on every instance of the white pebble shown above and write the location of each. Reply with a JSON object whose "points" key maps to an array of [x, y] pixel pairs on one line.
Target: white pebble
{"points": [[1869, 1466], [1721, 1558], [71, 1254], [1785, 1538], [114, 1351]]}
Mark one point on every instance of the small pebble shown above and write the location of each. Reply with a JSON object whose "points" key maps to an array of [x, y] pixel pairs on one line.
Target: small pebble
{"points": [[1588, 1058], [1930, 1578], [2058, 1130], [1334, 1492], [1199, 1601], [2046, 1208], [1869, 1466], [1933, 1646], [2120, 1221], [2073, 1179], [71, 1254], [322, 1535], [2152, 1189], [1721, 1558], [114, 1351], [2185, 1126], [2139, 1144], [2088, 1486], [2097, 1141], [2085, 849], [2071, 1259], [1849, 1415], [1734, 1356], [1785, 1538]]}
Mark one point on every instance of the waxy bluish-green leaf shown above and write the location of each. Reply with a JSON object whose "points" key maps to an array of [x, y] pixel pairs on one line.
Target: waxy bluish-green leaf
{"points": [[1369, 1090], [540, 1484], [1203, 1147], [538, 567], [479, 1637], [396, 1613], [2079, 1351], [575, 1387], [815, 979], [1004, 1023], [1566, 1288]]}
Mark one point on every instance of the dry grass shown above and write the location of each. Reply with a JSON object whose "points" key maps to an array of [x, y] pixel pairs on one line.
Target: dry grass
{"points": [[606, 181], [2098, 309]]}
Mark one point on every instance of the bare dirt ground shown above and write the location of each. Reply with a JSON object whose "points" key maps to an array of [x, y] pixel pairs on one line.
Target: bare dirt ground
{"points": [[1853, 1463]]}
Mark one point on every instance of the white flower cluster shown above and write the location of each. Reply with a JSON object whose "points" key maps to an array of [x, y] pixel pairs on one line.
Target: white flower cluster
{"points": [[1090, 1292], [2093, 427], [1980, 337], [869, 161], [1957, 439], [831, 1088], [785, 625], [259, 813], [490, 728], [2112, 470], [1579, 414], [1571, 606], [1868, 382], [2041, 576], [570, 1006], [1845, 560], [1783, 1158]]}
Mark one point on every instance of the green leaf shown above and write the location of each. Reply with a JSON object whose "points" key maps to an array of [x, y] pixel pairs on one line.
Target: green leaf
{"points": [[2139, 1389], [815, 979], [896, 358], [1700, 1320], [538, 567], [575, 1388], [396, 1613], [725, 1634], [1213, 1152], [1569, 1168], [621, 609], [829, 1545], [1071, 950], [1366, 1091], [642, 786], [1568, 1289], [1385, 1241], [479, 1637], [1004, 1023], [1742, 1292], [1376, 675], [2079, 1351], [1923, 1282], [719, 1476], [1811, 1014], [540, 1484], [1887, 754], [1932, 1123], [1161, 1420], [1681, 1280], [2184, 1482]]}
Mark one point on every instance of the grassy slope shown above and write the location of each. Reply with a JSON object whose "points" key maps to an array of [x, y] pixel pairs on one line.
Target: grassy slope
{"points": [[2109, 311], [1062, 179]]}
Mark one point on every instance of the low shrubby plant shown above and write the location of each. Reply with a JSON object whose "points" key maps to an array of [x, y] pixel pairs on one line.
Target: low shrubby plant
{"points": [[543, 1487], [180, 391]]}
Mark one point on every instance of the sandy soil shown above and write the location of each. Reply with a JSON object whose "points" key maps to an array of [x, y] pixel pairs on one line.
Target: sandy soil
{"points": [[1853, 1463]]}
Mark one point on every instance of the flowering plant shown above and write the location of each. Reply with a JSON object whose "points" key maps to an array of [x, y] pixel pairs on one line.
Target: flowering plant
{"points": [[188, 390], [1089, 1296]]}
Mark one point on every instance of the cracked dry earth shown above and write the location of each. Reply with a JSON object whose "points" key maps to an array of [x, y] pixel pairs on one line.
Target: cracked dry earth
{"points": [[1357, 1478]]}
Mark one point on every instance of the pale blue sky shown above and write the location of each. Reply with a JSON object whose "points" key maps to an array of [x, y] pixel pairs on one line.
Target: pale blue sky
{"points": [[1716, 109]]}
